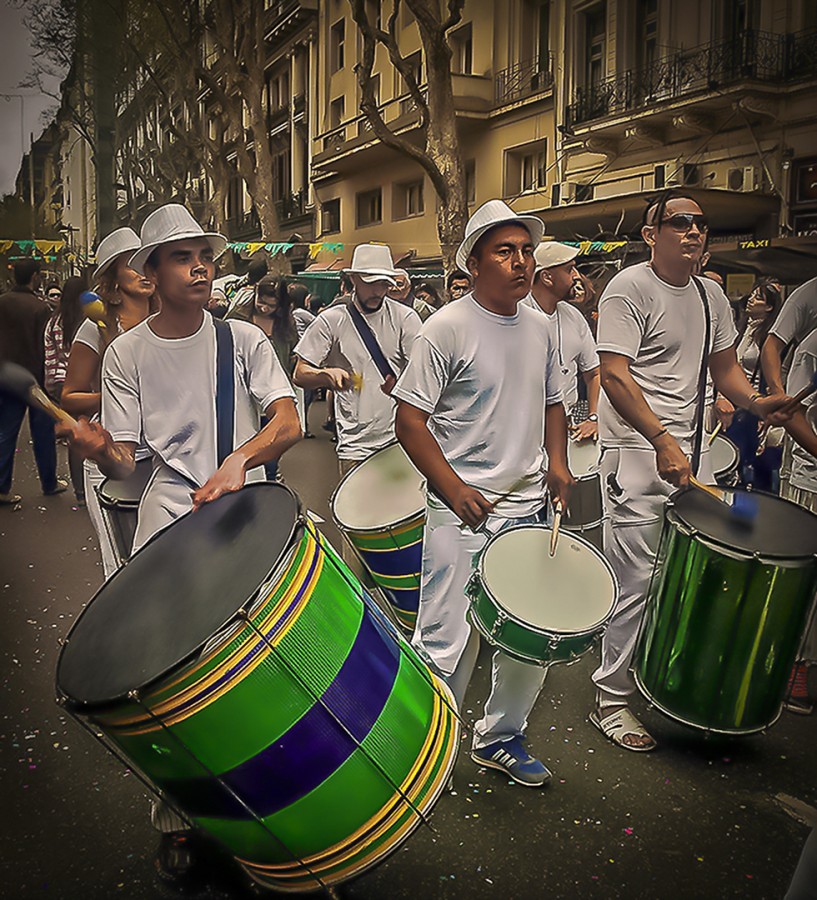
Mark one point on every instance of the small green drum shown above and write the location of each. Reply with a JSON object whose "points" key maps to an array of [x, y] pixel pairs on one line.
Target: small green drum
{"points": [[239, 666], [726, 610], [380, 508], [539, 608]]}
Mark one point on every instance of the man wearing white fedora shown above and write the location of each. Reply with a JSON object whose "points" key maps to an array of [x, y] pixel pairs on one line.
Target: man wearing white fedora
{"points": [[554, 279], [476, 405], [332, 354]]}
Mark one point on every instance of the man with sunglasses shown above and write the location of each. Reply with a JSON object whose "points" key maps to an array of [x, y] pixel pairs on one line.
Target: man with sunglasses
{"points": [[660, 329]]}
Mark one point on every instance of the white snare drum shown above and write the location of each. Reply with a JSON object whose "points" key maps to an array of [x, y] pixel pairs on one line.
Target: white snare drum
{"points": [[725, 461], [536, 607], [585, 512], [119, 503]]}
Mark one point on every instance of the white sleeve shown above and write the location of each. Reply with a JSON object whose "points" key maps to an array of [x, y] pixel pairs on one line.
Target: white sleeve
{"points": [[553, 376], [798, 315], [121, 403], [408, 335], [621, 326], [802, 371], [88, 334], [316, 344], [424, 378], [266, 379], [724, 333], [588, 355]]}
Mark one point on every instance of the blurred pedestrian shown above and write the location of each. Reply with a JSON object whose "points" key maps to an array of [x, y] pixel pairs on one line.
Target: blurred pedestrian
{"points": [[244, 296], [403, 292], [428, 294], [586, 301], [218, 305], [23, 317], [53, 293], [458, 284]]}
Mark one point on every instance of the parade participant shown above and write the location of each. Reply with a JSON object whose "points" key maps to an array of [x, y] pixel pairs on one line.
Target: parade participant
{"points": [[428, 294], [476, 364], [23, 317], [403, 292], [554, 279], [458, 284], [797, 319], [127, 297], [660, 329], [244, 295]]}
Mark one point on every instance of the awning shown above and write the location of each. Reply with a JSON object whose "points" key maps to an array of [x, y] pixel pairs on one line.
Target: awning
{"points": [[792, 260]]}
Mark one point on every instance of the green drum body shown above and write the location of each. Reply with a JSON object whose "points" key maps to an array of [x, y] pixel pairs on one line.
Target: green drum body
{"points": [[380, 507], [304, 734], [538, 608], [726, 611]]}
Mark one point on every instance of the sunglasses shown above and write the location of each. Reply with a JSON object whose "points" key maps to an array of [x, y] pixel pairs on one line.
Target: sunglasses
{"points": [[685, 221]]}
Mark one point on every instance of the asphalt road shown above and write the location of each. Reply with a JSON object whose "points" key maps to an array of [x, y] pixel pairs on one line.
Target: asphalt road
{"points": [[699, 818]]}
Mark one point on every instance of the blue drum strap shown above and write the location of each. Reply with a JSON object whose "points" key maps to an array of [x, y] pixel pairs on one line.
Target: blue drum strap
{"points": [[370, 342], [225, 390], [699, 416]]}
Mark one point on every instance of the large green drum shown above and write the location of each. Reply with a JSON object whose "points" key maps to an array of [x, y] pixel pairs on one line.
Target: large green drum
{"points": [[380, 507], [538, 608], [726, 610], [239, 666]]}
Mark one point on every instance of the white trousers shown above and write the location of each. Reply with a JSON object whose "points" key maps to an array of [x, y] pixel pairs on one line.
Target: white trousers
{"points": [[92, 478], [634, 498], [444, 635]]}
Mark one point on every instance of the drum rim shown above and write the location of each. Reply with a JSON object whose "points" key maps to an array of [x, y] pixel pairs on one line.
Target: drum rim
{"points": [[64, 699], [113, 502], [480, 573], [734, 464], [373, 529], [671, 509]]}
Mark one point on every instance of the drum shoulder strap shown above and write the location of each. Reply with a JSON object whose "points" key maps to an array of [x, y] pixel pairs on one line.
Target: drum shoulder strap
{"points": [[225, 389], [370, 342], [700, 408]]}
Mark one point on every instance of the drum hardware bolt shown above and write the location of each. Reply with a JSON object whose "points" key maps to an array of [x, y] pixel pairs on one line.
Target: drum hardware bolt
{"points": [[499, 621], [133, 695]]}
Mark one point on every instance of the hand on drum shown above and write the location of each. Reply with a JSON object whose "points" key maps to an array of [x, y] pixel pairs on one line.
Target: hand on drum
{"points": [[671, 461], [587, 430], [471, 506], [227, 478], [339, 379], [560, 484]]}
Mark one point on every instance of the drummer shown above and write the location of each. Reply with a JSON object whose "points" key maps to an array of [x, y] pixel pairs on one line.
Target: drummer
{"points": [[652, 322], [474, 405], [554, 284]]}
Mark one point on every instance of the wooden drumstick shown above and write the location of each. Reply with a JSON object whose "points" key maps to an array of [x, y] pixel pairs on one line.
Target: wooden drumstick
{"points": [[741, 505], [557, 522], [800, 396], [715, 433], [16, 380]]}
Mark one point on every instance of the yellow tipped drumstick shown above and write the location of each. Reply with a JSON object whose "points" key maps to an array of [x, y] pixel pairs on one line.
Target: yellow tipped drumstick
{"points": [[715, 433], [357, 381], [557, 523], [741, 504]]}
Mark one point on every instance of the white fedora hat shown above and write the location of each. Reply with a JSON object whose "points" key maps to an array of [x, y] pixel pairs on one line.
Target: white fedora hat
{"points": [[488, 216], [172, 222], [551, 253], [372, 262], [120, 241]]}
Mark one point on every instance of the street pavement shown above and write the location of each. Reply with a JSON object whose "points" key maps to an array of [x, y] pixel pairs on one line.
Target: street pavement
{"points": [[699, 818]]}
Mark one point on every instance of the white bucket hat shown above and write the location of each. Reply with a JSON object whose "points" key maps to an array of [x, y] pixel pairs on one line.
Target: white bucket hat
{"points": [[372, 262], [551, 253], [488, 216], [120, 241], [172, 222]]}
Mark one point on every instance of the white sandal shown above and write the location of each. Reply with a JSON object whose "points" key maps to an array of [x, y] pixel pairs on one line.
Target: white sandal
{"points": [[617, 724]]}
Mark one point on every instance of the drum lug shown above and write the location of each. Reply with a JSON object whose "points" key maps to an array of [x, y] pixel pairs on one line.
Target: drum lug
{"points": [[471, 587], [499, 622], [553, 643], [133, 695]]}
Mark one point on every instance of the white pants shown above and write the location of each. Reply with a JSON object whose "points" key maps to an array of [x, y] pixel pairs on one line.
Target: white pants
{"points": [[92, 478], [634, 498], [444, 635]]}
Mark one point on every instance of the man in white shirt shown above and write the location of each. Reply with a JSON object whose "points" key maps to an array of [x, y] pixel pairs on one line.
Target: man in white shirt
{"points": [[403, 292], [797, 319], [652, 322], [554, 280], [332, 354], [475, 366]]}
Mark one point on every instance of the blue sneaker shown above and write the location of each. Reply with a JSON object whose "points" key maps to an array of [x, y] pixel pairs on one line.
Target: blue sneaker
{"points": [[512, 758]]}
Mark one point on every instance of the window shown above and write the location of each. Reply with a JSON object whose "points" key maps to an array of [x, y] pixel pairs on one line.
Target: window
{"points": [[535, 37], [415, 61], [330, 216], [595, 29], [408, 199], [280, 175], [337, 112], [337, 41], [526, 169], [470, 181], [369, 208], [647, 23], [462, 50]]}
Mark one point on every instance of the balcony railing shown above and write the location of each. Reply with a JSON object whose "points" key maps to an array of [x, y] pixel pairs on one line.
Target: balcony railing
{"points": [[292, 205], [753, 56], [523, 79]]}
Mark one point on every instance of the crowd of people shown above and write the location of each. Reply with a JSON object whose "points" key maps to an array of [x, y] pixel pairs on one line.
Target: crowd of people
{"points": [[483, 387]]}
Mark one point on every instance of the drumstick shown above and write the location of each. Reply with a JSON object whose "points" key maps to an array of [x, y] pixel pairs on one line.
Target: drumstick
{"points": [[511, 490], [801, 395], [557, 521], [21, 383], [715, 433], [741, 505]]}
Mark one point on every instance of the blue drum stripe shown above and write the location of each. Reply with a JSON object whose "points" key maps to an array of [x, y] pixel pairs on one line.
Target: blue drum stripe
{"points": [[313, 748], [404, 561]]}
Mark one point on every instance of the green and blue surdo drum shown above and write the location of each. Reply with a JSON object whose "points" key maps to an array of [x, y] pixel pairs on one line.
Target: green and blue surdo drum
{"points": [[380, 508], [726, 611], [238, 666]]}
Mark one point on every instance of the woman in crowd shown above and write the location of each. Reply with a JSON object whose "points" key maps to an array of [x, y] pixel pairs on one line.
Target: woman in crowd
{"points": [[428, 294], [59, 335], [585, 298]]}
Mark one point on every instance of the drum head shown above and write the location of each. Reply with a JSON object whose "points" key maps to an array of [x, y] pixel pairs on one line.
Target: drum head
{"points": [[382, 490], [570, 592], [724, 454], [779, 529], [582, 457], [175, 593]]}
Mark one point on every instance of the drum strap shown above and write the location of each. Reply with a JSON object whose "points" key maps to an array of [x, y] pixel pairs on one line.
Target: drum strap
{"points": [[699, 416], [225, 390], [370, 342]]}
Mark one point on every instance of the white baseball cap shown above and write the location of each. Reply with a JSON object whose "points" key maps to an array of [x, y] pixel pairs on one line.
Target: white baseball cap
{"points": [[551, 253], [172, 222], [372, 262], [117, 242], [489, 215]]}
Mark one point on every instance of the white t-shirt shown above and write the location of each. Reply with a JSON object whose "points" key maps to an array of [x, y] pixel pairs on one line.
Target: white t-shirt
{"points": [[798, 316], [575, 346], [365, 417], [303, 319], [660, 327], [803, 367], [165, 389], [481, 379]]}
